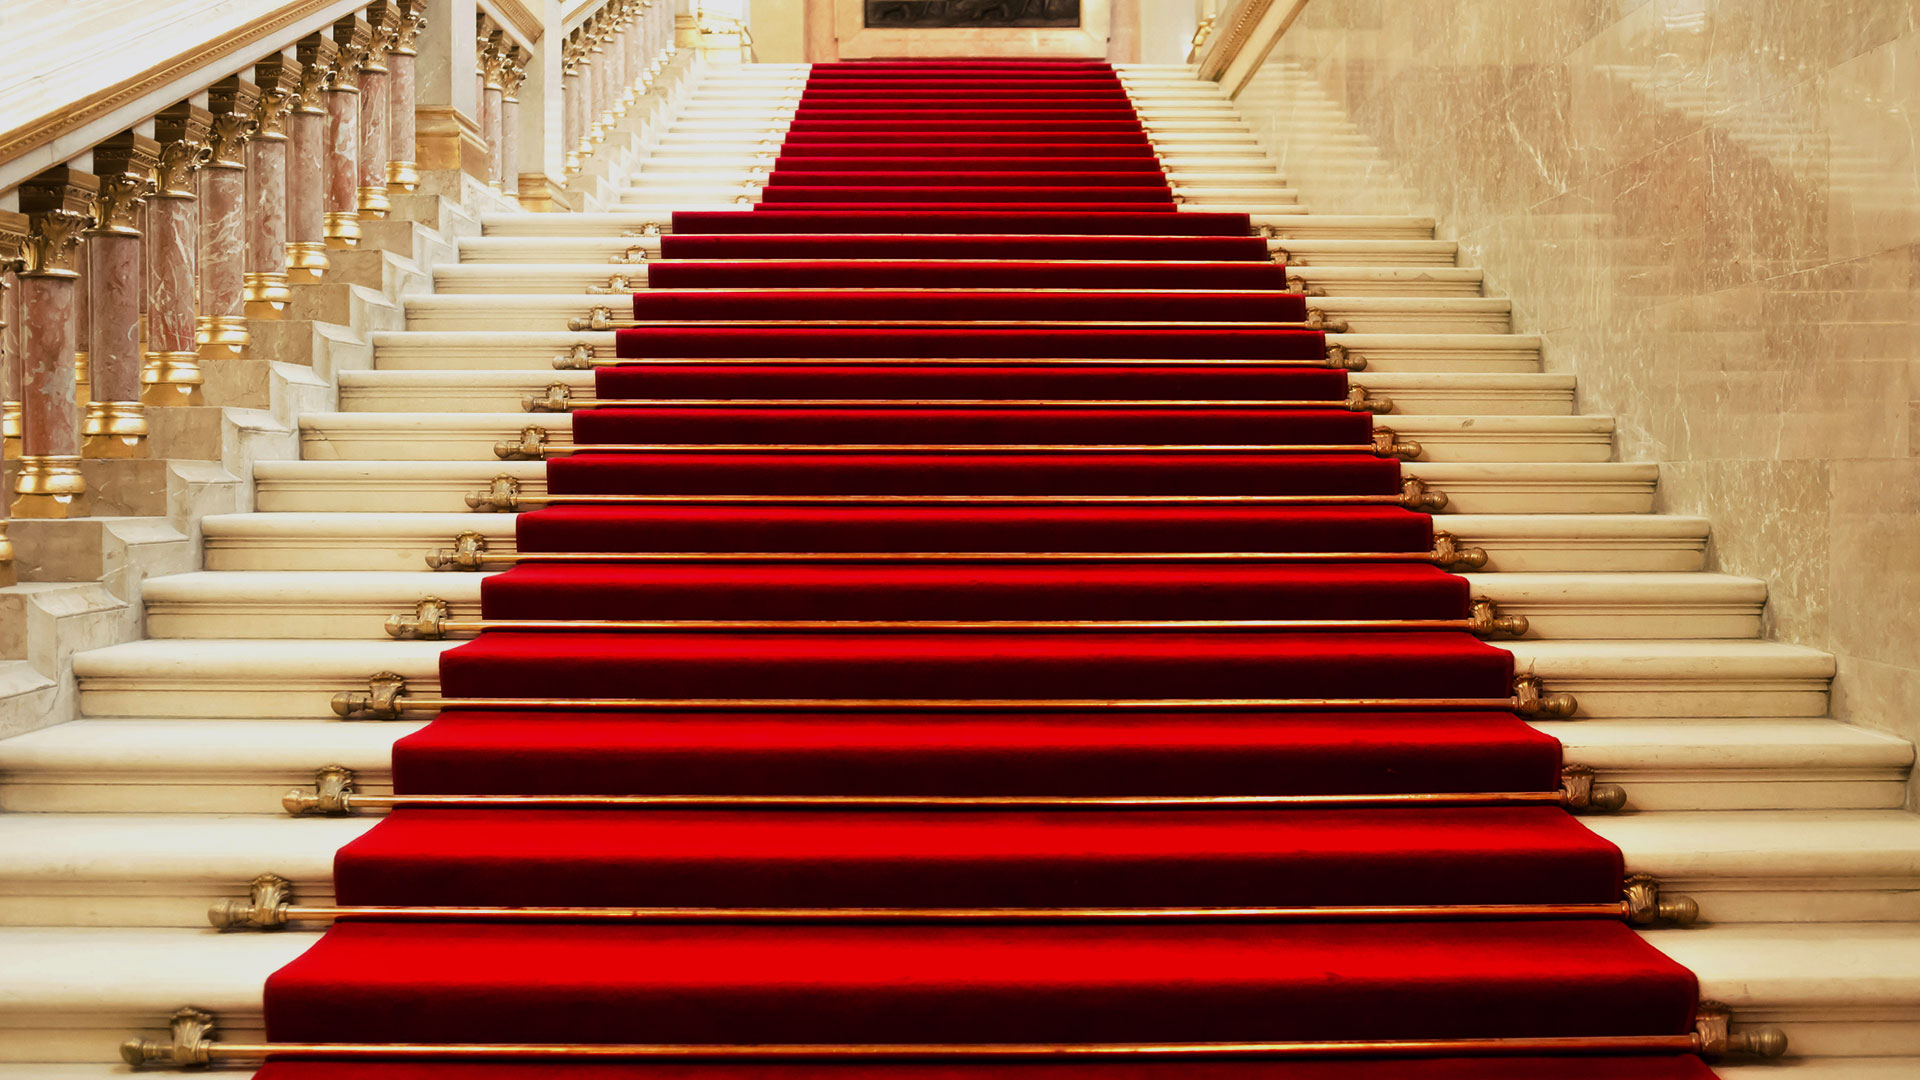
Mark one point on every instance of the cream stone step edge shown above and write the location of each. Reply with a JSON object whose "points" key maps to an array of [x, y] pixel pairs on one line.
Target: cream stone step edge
{"points": [[244, 765], [531, 351], [297, 679], [468, 436], [516, 312], [442, 486], [609, 224], [168, 869], [578, 277], [354, 605], [1849, 990], [1298, 254], [1519, 543], [1411, 394]]}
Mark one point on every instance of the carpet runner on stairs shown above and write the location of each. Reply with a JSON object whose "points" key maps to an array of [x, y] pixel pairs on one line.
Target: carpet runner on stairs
{"points": [[955, 658]]}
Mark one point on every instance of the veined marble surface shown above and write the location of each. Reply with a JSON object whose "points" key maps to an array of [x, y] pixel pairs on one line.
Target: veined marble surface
{"points": [[1710, 209]]}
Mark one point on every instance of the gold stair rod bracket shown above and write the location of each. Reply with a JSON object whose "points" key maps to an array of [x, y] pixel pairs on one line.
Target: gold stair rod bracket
{"points": [[531, 447], [650, 229], [1579, 792], [332, 793], [502, 496], [1449, 554], [1317, 320], [468, 552], [1415, 495], [601, 318], [632, 255], [427, 623], [1296, 283], [1277, 253], [617, 283], [558, 398], [1341, 357], [1388, 444], [380, 701], [1714, 1036], [1358, 400], [265, 908], [1530, 698], [1647, 905], [190, 1043], [576, 358], [1484, 619]]}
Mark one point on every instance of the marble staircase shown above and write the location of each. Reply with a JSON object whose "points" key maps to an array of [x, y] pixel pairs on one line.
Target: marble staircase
{"points": [[1789, 828]]}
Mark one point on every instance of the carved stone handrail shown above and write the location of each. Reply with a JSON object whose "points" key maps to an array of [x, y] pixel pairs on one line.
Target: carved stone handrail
{"points": [[1240, 38]]}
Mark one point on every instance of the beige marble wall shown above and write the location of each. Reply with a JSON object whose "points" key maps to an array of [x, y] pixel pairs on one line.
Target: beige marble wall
{"points": [[1710, 209]]}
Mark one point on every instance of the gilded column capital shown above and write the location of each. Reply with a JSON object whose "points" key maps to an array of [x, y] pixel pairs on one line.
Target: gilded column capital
{"points": [[58, 204], [383, 19], [513, 73], [494, 47], [318, 53], [125, 165], [281, 81], [14, 231], [413, 20], [183, 131], [354, 36], [232, 101]]}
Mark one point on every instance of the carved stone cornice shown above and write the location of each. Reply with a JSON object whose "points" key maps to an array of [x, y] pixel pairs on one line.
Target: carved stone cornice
{"points": [[182, 131], [383, 17], [279, 79], [125, 165], [317, 54], [232, 101], [354, 36], [413, 19], [58, 204]]}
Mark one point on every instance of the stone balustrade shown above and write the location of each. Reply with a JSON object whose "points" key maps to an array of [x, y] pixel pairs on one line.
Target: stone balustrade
{"points": [[126, 269]]}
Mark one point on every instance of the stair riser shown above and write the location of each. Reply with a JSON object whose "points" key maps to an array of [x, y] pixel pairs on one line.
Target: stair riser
{"points": [[576, 277]]}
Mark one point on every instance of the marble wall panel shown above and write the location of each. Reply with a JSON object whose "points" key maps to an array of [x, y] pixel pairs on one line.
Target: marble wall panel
{"points": [[1710, 211]]}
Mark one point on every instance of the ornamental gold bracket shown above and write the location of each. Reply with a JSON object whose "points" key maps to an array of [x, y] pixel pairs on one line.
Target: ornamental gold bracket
{"points": [[1484, 618], [1714, 1035], [1449, 554], [428, 621], [1341, 357], [1317, 320], [502, 496], [1296, 283], [380, 701], [1358, 400], [576, 358], [651, 228], [617, 283], [531, 447], [1277, 253], [265, 908], [332, 793], [1579, 792], [467, 553], [635, 254], [1388, 444], [558, 398], [601, 318], [1647, 905], [1530, 698], [1415, 495], [190, 1044]]}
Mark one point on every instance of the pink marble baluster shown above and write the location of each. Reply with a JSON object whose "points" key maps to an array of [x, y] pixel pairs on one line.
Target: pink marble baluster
{"points": [[171, 372], [403, 170], [10, 355], [59, 203], [82, 330], [353, 36], [267, 292], [221, 329], [376, 110], [306, 256], [571, 109], [115, 425]]}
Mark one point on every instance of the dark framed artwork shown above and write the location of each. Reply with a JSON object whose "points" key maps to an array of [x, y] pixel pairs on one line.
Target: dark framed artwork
{"points": [[965, 14]]}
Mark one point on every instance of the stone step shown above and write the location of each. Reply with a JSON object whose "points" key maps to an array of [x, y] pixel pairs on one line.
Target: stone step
{"points": [[616, 224], [166, 870], [297, 679], [1846, 991], [1414, 393], [442, 486], [355, 604], [466, 436], [497, 250], [244, 765], [1522, 543], [578, 277], [521, 312]]}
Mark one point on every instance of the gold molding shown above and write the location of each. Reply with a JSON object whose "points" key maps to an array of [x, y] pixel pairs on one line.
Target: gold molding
{"points": [[248, 39]]}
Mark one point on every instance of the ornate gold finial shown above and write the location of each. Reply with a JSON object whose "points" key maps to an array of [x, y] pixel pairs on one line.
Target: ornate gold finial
{"points": [[280, 81], [232, 101], [125, 165], [59, 203], [354, 36], [413, 19], [182, 131], [318, 54]]}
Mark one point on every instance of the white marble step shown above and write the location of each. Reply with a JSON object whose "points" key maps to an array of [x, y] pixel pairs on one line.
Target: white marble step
{"points": [[578, 277], [496, 250], [442, 486], [244, 765], [466, 436], [1416, 393], [520, 312], [1523, 543], [353, 605], [168, 869], [1288, 226], [1842, 991], [297, 679]]}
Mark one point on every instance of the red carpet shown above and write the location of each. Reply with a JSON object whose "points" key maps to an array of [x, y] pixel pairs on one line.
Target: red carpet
{"points": [[965, 364]]}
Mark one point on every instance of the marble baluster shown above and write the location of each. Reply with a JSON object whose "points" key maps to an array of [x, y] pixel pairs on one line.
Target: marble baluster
{"points": [[221, 329], [13, 238], [403, 166], [572, 108], [512, 75], [376, 110], [307, 144], [266, 283], [353, 36], [59, 203], [170, 372], [82, 330], [493, 63], [115, 424]]}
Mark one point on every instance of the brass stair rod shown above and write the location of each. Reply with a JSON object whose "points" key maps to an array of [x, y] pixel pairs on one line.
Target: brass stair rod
{"points": [[698, 498], [510, 557], [1329, 404], [583, 357], [1399, 449], [1617, 909], [429, 627]]}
